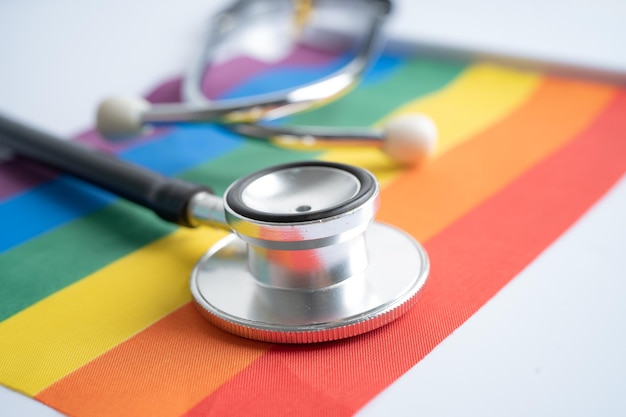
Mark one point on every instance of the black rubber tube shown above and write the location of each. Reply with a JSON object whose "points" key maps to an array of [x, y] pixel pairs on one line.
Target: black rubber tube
{"points": [[167, 197]]}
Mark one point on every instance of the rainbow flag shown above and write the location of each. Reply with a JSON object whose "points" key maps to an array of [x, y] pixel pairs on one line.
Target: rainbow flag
{"points": [[95, 312]]}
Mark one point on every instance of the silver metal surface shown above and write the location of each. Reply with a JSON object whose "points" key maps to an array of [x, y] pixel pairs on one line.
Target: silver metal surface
{"points": [[310, 135], [301, 190], [207, 209], [377, 292]]}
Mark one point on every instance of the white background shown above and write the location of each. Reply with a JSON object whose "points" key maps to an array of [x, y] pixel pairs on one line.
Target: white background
{"points": [[551, 343]]}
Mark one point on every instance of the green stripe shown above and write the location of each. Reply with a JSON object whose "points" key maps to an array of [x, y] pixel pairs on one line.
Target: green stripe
{"points": [[38, 268], [44, 265]]}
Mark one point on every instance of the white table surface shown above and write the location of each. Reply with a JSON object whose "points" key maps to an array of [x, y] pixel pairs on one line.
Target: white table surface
{"points": [[553, 360]]}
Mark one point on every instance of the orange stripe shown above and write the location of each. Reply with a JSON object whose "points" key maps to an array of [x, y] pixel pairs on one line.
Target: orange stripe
{"points": [[162, 371], [458, 181], [461, 179]]}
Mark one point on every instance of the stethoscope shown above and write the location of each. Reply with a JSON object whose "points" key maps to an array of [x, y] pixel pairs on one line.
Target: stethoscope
{"points": [[407, 139], [305, 261]]}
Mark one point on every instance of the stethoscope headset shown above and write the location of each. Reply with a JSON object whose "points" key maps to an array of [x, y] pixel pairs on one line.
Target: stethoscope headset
{"points": [[305, 261], [407, 139]]}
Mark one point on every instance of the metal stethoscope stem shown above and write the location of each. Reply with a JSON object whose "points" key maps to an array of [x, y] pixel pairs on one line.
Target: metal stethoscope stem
{"points": [[305, 262]]}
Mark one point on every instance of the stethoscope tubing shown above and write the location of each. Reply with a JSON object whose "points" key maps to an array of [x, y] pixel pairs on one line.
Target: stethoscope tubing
{"points": [[169, 198]]}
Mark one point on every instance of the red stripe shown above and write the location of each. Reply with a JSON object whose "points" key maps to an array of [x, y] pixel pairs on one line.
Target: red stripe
{"points": [[471, 261]]}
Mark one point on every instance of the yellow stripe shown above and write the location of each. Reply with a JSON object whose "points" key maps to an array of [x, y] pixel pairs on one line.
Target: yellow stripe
{"points": [[479, 97], [59, 334], [52, 338]]}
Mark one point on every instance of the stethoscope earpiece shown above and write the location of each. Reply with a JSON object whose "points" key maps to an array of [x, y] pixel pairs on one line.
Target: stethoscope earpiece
{"points": [[119, 117], [410, 139]]}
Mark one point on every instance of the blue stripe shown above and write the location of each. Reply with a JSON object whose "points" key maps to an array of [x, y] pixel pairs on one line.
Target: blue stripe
{"points": [[47, 206]]}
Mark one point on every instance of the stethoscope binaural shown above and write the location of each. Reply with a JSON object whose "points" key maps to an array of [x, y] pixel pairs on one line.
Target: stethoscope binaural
{"points": [[407, 139], [305, 262]]}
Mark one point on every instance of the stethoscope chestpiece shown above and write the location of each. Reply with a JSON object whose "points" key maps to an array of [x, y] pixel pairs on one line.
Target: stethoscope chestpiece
{"points": [[306, 263]]}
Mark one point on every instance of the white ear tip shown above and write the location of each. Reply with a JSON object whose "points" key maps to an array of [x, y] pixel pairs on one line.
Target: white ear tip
{"points": [[120, 117], [409, 139]]}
